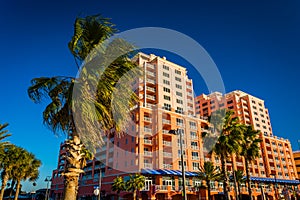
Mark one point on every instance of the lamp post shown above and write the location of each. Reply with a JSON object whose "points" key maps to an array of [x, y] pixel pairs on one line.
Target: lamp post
{"points": [[47, 179], [176, 132]]}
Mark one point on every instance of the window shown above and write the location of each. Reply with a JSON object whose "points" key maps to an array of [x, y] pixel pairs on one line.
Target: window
{"points": [[167, 90], [177, 72], [230, 102], [221, 105], [178, 79], [132, 139], [179, 110], [261, 110], [179, 94], [193, 134], [255, 113], [196, 154], [195, 166], [166, 74], [179, 101], [132, 150], [263, 121], [179, 122], [165, 67], [166, 82], [212, 101], [204, 104], [126, 141], [167, 97], [256, 119], [212, 107], [257, 125], [178, 86], [193, 125], [262, 115], [254, 107], [253, 102], [167, 106]]}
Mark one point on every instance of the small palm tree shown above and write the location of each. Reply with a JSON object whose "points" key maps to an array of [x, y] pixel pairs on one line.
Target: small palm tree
{"points": [[136, 182], [250, 151], [9, 158], [228, 142], [209, 172], [26, 168], [118, 185]]}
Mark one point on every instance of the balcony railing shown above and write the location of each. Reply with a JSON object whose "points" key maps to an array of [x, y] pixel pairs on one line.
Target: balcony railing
{"points": [[148, 130], [150, 97], [166, 121], [150, 89], [167, 166], [148, 119], [148, 153], [167, 154], [147, 141], [150, 81], [167, 143], [148, 165]]}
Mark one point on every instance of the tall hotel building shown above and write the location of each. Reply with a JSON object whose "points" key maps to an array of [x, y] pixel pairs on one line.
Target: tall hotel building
{"points": [[167, 103], [275, 162]]}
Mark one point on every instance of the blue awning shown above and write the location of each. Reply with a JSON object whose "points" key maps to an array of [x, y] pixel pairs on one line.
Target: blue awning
{"points": [[272, 180], [150, 171], [167, 172]]}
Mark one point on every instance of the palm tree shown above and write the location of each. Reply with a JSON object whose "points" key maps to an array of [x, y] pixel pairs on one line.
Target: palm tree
{"points": [[135, 183], [228, 142], [118, 185], [240, 178], [9, 157], [209, 172], [3, 134], [250, 151], [25, 168], [95, 86]]}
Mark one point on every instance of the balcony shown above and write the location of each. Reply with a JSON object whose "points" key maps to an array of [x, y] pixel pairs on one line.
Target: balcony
{"points": [[148, 119], [167, 166], [149, 66], [147, 141], [166, 121], [147, 130], [239, 164], [167, 154], [149, 105], [150, 97], [167, 143], [150, 74], [148, 153], [150, 89], [150, 81], [148, 166]]}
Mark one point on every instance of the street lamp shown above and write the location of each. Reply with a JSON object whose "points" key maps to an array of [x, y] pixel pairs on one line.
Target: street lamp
{"points": [[176, 132], [47, 179]]}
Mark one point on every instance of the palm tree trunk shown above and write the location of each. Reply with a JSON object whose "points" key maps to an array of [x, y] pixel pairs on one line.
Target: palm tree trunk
{"points": [[17, 189], [134, 194], [12, 188], [239, 189], [4, 182], [225, 177], [71, 185], [208, 190], [248, 179]]}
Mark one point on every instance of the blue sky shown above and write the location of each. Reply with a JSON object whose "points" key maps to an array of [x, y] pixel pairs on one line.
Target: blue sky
{"points": [[255, 45]]}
